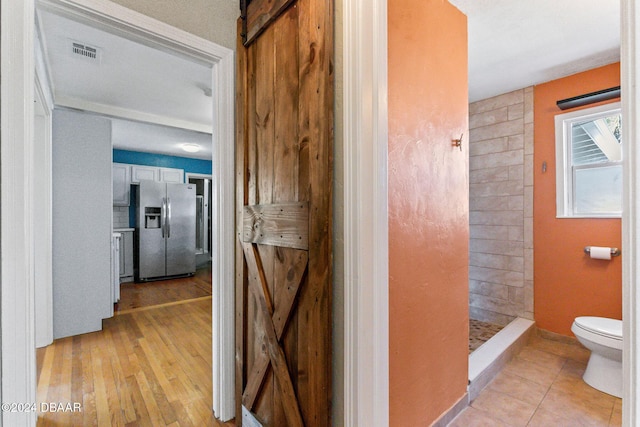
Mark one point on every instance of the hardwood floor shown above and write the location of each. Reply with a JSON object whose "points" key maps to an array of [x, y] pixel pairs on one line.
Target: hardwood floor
{"points": [[137, 295], [148, 367]]}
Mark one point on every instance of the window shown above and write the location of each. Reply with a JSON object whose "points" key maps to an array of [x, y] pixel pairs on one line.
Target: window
{"points": [[589, 163]]}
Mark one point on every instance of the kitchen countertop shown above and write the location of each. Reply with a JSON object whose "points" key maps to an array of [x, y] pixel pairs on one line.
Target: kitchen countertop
{"points": [[122, 230]]}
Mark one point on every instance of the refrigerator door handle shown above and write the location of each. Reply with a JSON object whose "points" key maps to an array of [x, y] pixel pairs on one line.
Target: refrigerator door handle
{"points": [[163, 217], [168, 217]]}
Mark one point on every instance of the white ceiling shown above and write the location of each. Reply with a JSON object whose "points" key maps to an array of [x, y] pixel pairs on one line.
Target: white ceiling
{"points": [[162, 95], [519, 43], [152, 138]]}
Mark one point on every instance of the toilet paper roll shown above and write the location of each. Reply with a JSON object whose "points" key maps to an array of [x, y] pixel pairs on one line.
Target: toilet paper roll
{"points": [[599, 252]]}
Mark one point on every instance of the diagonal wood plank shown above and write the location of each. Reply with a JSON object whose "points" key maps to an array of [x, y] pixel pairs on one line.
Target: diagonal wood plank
{"points": [[286, 295], [276, 354], [258, 14]]}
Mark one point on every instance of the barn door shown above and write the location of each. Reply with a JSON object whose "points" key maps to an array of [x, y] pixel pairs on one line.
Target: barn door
{"points": [[283, 217]]}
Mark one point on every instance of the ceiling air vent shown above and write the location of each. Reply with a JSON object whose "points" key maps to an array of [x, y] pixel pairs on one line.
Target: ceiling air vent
{"points": [[85, 51]]}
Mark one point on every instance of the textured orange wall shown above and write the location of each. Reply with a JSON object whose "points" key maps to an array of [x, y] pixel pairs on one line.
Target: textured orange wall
{"points": [[428, 210], [567, 282]]}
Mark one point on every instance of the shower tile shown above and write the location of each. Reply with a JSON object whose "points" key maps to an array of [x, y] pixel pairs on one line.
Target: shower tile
{"points": [[504, 277], [491, 117], [528, 106], [528, 169], [492, 203], [495, 305], [516, 203], [493, 290], [508, 128], [495, 145], [528, 233], [496, 218], [516, 263], [505, 158], [516, 111], [498, 232], [489, 316], [516, 233], [510, 98], [503, 188], [528, 297], [516, 142], [489, 260], [516, 295]]}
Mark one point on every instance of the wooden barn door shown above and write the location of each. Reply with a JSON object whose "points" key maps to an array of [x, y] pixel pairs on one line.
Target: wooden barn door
{"points": [[283, 217]]}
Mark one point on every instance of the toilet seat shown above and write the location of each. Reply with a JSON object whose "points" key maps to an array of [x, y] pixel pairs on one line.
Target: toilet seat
{"points": [[609, 328], [600, 330]]}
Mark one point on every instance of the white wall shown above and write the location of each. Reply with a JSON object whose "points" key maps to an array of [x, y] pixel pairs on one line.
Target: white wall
{"points": [[82, 212], [213, 20]]}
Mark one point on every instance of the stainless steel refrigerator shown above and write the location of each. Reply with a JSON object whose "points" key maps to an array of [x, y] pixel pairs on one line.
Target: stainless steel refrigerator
{"points": [[166, 229]]}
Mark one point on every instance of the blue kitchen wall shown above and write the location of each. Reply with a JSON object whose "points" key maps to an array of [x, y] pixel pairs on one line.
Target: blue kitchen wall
{"points": [[159, 160], [163, 161]]}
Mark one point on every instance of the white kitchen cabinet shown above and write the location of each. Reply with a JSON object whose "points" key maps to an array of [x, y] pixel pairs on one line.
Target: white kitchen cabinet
{"points": [[153, 173], [121, 177], [126, 254], [171, 175], [139, 172]]}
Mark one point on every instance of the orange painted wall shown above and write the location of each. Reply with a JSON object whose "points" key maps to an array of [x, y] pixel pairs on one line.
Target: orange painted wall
{"points": [[428, 210], [567, 282]]}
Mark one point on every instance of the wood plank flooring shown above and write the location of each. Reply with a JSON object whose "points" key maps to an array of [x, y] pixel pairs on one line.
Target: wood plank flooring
{"points": [[136, 295], [147, 367]]}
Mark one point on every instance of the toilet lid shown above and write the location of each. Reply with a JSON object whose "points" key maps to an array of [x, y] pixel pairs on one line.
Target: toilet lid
{"points": [[611, 328]]}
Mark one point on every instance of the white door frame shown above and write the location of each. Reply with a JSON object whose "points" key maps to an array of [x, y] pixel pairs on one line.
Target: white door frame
{"points": [[16, 171], [366, 236], [43, 198], [630, 50], [17, 285]]}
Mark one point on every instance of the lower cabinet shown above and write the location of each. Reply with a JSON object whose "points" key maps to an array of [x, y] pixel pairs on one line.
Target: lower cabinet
{"points": [[126, 256]]}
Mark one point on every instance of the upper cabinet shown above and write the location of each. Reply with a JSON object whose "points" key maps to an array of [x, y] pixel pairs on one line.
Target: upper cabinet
{"points": [[124, 175], [141, 173], [153, 173], [121, 182], [175, 176]]}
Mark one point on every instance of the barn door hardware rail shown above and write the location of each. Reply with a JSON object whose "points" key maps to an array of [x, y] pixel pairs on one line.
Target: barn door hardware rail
{"points": [[589, 98]]}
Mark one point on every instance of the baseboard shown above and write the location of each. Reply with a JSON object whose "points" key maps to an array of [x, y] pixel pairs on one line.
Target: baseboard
{"points": [[453, 412], [553, 336], [488, 360]]}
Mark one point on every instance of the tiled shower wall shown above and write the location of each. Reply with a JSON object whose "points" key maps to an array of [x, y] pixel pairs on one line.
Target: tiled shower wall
{"points": [[501, 205]]}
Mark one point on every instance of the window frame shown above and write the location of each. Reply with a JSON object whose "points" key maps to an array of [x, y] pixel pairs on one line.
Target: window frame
{"points": [[565, 182]]}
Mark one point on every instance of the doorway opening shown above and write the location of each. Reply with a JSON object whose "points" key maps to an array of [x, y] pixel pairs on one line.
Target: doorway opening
{"points": [[149, 32]]}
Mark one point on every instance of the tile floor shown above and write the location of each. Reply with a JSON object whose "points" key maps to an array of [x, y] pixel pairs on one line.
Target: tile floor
{"points": [[542, 386], [480, 332]]}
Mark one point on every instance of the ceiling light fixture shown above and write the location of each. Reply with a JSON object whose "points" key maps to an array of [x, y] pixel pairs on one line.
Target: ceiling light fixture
{"points": [[191, 148]]}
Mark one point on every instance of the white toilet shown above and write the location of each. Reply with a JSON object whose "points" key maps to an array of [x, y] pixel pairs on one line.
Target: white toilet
{"points": [[604, 338]]}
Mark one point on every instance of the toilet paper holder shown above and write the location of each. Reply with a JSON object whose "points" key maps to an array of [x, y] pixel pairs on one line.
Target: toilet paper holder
{"points": [[614, 251]]}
